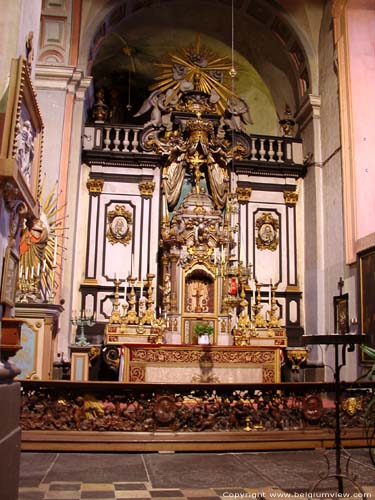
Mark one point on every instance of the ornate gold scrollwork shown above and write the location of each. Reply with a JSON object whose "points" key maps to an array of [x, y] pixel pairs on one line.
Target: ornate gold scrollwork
{"points": [[119, 225], [146, 188], [267, 228], [352, 405], [243, 193], [290, 197], [95, 185]]}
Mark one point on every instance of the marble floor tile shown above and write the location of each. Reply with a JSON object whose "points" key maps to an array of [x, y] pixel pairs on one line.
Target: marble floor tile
{"points": [[97, 468], [34, 467], [189, 471]]}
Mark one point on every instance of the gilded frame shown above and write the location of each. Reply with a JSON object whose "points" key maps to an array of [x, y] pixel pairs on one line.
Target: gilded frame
{"points": [[367, 295], [341, 313], [9, 278], [20, 106]]}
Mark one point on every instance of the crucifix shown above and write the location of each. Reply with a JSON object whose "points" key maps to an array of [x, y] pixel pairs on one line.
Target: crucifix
{"points": [[340, 285], [196, 161], [198, 295]]}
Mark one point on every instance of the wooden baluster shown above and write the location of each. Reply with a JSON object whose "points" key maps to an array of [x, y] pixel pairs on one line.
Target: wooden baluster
{"points": [[279, 152], [126, 142], [253, 149], [262, 151], [271, 152], [116, 140], [107, 140], [135, 141]]}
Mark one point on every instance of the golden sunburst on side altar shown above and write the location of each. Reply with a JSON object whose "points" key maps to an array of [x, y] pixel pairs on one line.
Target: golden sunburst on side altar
{"points": [[41, 248], [198, 69]]}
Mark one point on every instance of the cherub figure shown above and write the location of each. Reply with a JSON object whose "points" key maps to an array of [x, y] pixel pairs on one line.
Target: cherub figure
{"points": [[239, 114]]}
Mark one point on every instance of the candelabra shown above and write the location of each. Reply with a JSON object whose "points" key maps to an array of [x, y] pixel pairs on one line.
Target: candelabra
{"points": [[158, 328], [29, 286], [116, 314], [137, 312], [149, 315], [259, 320], [274, 321], [84, 319]]}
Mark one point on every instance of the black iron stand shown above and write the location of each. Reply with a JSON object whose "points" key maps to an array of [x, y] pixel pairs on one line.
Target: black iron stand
{"points": [[347, 342]]}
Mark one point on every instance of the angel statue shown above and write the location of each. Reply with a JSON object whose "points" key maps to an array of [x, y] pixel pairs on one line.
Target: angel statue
{"points": [[239, 114], [156, 101]]}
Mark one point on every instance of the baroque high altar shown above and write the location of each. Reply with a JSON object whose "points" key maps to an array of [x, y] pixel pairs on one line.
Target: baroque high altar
{"points": [[192, 228]]}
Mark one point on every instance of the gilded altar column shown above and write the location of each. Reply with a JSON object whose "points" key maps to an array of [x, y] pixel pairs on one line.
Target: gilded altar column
{"points": [[173, 274]]}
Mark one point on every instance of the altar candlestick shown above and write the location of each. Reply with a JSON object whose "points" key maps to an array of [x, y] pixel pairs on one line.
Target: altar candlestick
{"points": [[270, 294], [20, 273], [27, 273]]}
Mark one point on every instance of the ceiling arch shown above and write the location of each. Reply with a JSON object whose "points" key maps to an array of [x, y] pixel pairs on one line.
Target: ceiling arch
{"points": [[267, 49]]}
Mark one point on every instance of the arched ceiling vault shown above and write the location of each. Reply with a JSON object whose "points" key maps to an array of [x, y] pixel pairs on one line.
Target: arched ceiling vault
{"points": [[274, 64]]}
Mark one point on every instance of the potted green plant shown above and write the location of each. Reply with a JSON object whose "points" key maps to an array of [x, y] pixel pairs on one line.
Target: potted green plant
{"points": [[204, 331]]}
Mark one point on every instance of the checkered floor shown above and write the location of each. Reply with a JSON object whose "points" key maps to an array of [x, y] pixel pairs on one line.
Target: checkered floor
{"points": [[135, 491], [187, 476]]}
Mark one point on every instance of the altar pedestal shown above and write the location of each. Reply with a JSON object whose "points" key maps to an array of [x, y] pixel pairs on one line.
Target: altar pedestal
{"points": [[156, 363]]}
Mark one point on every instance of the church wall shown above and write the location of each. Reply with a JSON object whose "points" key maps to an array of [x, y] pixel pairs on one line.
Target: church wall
{"points": [[361, 28], [335, 266]]}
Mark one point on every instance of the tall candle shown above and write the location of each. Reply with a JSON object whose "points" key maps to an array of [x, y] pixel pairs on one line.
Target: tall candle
{"points": [[254, 291], [20, 273], [142, 288], [270, 294], [126, 290], [38, 269], [32, 272], [27, 273]]}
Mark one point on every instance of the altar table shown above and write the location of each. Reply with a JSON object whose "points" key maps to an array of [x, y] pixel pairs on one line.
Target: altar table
{"points": [[160, 363]]}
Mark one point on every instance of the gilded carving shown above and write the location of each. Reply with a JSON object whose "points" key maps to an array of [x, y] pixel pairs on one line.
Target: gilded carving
{"points": [[243, 193], [16, 207], [267, 228], [290, 197], [352, 405], [95, 185], [146, 188], [119, 223]]}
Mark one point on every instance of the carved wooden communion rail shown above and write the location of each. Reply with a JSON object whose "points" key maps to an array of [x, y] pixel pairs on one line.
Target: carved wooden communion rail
{"points": [[104, 415]]}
